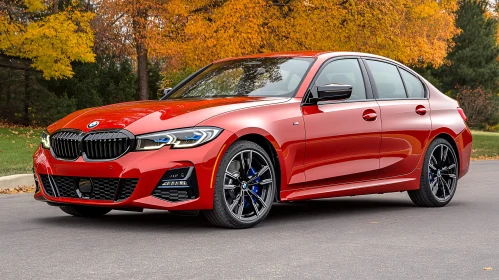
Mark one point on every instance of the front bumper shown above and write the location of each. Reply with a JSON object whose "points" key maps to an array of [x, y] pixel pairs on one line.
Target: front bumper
{"points": [[147, 166]]}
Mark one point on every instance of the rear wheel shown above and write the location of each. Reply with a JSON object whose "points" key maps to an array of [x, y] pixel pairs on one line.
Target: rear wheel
{"points": [[244, 187], [85, 211], [438, 177]]}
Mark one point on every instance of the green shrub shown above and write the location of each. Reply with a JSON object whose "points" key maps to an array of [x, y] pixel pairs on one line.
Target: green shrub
{"points": [[479, 105]]}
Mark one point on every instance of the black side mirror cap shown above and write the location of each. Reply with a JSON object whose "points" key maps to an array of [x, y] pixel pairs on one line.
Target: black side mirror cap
{"points": [[331, 92]]}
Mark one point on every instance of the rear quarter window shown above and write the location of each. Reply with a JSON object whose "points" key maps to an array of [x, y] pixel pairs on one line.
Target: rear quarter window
{"points": [[413, 85]]}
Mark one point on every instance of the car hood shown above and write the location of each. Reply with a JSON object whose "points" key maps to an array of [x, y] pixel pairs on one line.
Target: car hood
{"points": [[147, 116]]}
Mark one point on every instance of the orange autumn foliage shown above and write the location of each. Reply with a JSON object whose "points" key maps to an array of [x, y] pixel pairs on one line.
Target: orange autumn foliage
{"points": [[412, 32], [192, 33]]}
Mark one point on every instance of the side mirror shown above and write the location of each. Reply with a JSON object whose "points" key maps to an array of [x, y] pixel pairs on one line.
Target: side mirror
{"points": [[333, 92], [164, 92]]}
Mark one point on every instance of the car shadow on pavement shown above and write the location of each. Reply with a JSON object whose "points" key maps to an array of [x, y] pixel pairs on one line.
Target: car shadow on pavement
{"points": [[293, 212], [337, 207]]}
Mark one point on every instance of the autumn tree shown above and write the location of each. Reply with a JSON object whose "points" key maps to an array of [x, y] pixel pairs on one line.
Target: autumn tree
{"points": [[190, 34], [37, 34], [138, 28], [413, 32]]}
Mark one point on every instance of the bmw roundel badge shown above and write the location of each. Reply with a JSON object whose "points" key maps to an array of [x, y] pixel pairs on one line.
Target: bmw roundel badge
{"points": [[93, 124]]}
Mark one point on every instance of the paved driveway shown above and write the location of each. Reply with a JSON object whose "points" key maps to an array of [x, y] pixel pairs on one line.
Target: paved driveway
{"points": [[369, 237]]}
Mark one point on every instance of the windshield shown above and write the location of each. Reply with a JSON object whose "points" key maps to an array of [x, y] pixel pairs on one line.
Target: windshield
{"points": [[268, 77]]}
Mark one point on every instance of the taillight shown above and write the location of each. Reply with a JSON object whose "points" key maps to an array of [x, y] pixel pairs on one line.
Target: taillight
{"points": [[461, 112]]}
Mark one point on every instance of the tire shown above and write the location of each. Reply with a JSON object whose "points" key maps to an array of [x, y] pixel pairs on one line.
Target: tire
{"points": [[249, 197], [85, 211], [438, 181]]}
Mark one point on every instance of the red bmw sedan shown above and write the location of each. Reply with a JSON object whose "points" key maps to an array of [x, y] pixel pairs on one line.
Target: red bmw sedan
{"points": [[243, 133]]}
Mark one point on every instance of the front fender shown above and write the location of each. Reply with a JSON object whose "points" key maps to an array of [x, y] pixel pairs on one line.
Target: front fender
{"points": [[281, 125]]}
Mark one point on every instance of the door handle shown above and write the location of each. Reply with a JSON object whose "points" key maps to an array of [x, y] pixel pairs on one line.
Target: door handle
{"points": [[369, 115], [421, 110]]}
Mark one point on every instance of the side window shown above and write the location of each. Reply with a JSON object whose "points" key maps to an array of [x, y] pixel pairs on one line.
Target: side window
{"points": [[387, 79], [413, 85], [344, 72]]}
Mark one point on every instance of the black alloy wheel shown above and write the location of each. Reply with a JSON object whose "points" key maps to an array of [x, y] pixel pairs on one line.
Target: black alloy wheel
{"points": [[245, 187]]}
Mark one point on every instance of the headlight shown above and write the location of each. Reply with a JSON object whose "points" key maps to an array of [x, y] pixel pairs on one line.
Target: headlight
{"points": [[179, 138], [45, 140]]}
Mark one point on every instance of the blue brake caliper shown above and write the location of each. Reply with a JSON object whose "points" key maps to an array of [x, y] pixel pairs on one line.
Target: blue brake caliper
{"points": [[430, 175], [254, 188]]}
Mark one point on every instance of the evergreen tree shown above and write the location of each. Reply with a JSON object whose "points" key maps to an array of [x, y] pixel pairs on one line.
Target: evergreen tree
{"points": [[473, 60], [154, 72], [118, 81]]}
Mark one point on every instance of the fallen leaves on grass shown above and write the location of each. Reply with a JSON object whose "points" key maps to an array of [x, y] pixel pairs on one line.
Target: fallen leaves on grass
{"points": [[30, 134], [18, 190], [5, 124], [486, 158]]}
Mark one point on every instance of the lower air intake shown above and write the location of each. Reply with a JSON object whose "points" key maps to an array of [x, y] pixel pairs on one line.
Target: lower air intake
{"points": [[113, 189], [172, 195]]}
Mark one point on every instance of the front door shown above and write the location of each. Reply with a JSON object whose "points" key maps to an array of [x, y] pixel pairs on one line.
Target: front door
{"points": [[342, 137]]}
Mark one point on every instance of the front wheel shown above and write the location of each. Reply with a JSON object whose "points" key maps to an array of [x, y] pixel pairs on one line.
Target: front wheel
{"points": [[244, 188], [438, 177], [85, 211]]}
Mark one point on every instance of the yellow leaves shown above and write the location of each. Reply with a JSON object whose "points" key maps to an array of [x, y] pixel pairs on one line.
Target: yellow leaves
{"points": [[488, 268], [192, 33], [18, 190], [177, 7], [57, 40], [425, 9], [52, 42], [409, 31], [448, 5], [34, 5], [236, 28]]}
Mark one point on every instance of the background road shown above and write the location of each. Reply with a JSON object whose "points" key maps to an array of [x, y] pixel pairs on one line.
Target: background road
{"points": [[369, 237]]}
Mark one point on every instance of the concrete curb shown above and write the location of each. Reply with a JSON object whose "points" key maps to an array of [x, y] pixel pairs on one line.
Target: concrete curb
{"points": [[19, 180]]}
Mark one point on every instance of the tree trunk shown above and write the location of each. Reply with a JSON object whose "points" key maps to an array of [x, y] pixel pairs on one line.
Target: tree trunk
{"points": [[8, 90], [139, 24], [143, 78], [27, 99], [55, 8]]}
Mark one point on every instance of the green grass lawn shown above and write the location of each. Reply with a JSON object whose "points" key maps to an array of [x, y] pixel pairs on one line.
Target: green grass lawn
{"points": [[17, 146], [485, 145]]}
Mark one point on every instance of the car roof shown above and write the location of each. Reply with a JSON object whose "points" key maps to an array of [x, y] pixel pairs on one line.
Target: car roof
{"points": [[314, 54]]}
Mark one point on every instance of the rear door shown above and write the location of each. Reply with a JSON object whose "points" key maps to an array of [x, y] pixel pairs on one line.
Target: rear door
{"points": [[405, 116], [342, 137]]}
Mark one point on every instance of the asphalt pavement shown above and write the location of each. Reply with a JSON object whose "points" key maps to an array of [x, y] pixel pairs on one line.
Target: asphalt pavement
{"points": [[367, 237]]}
